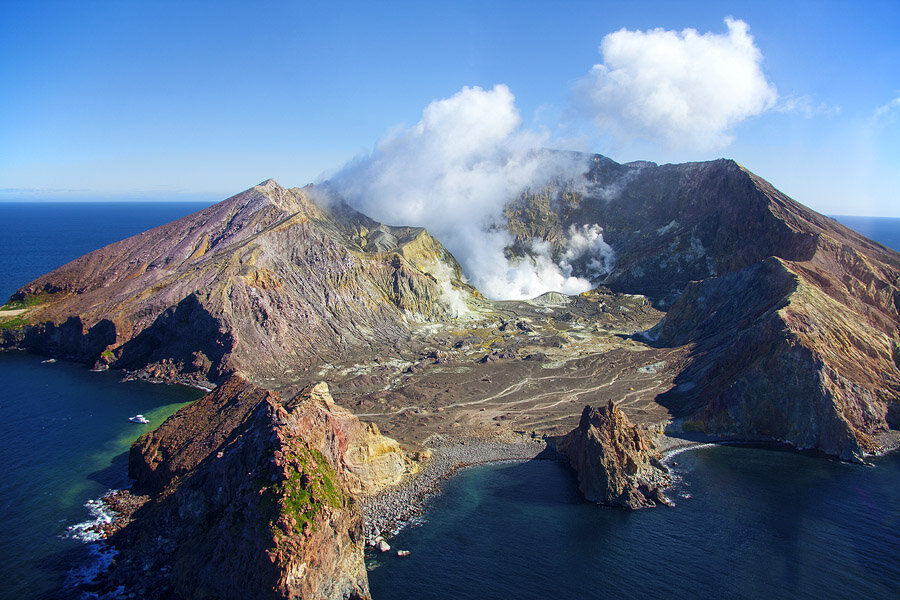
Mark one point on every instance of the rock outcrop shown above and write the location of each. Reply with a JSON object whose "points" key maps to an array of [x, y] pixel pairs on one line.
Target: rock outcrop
{"points": [[252, 496], [614, 464]]}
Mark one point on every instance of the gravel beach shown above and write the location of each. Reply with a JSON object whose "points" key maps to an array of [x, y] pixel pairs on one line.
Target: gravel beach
{"points": [[387, 511]]}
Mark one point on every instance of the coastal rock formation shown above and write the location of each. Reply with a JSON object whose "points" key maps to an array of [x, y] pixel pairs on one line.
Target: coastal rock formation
{"points": [[795, 350], [253, 496], [613, 462]]}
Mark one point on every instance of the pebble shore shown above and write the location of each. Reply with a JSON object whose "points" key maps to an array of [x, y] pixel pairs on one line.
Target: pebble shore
{"points": [[388, 511]]}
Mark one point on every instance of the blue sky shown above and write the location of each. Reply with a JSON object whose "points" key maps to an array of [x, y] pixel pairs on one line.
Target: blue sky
{"points": [[204, 99]]}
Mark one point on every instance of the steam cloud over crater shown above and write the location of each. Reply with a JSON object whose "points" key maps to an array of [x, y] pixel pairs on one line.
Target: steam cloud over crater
{"points": [[453, 173], [457, 168]]}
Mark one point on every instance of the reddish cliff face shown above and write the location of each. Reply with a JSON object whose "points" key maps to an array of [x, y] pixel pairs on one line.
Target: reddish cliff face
{"points": [[613, 461], [253, 496], [798, 351]]}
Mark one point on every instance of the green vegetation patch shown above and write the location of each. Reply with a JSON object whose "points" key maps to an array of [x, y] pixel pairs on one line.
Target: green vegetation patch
{"points": [[311, 484], [16, 322], [27, 301]]}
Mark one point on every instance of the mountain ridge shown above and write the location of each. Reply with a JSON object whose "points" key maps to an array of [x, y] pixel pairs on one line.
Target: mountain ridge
{"points": [[721, 309], [283, 286]]}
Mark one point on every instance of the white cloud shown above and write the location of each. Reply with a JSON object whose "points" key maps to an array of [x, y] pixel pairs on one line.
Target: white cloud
{"points": [[889, 110], [805, 106], [453, 173], [683, 88]]}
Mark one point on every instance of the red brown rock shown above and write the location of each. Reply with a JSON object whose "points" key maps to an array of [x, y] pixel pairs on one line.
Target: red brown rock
{"points": [[613, 461], [251, 497]]}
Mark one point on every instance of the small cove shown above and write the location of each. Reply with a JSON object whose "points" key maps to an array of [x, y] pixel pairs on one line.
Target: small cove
{"points": [[64, 440], [748, 523]]}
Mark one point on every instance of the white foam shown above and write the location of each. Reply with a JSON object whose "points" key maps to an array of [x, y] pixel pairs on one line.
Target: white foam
{"points": [[89, 531], [101, 555], [675, 452]]}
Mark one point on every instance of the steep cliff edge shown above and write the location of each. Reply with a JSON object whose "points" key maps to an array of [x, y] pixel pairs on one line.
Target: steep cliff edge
{"points": [[252, 496], [798, 351], [613, 461]]}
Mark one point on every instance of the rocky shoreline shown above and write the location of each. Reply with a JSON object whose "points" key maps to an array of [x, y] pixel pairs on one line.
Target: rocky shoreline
{"points": [[386, 512]]}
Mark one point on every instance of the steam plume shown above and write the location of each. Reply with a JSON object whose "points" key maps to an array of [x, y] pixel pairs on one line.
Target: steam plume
{"points": [[453, 173]]}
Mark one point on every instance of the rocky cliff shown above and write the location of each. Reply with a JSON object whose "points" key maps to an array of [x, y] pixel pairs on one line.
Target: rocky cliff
{"points": [[253, 496], [792, 320], [614, 463], [799, 350], [268, 281]]}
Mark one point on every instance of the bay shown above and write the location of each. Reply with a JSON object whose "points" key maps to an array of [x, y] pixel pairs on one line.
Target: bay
{"points": [[64, 438], [748, 523]]}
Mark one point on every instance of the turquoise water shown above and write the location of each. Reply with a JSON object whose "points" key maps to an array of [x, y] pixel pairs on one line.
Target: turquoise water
{"points": [[756, 524], [64, 438], [748, 523]]}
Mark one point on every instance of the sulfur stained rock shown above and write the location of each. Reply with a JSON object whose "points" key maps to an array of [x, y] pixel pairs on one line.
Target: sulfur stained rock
{"points": [[265, 278]]}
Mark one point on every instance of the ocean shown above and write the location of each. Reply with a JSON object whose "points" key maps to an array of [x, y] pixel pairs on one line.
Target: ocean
{"points": [[748, 523], [64, 431]]}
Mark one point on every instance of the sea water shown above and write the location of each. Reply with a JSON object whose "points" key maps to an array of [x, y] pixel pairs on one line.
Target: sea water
{"points": [[883, 230], [747, 523], [64, 439], [64, 431]]}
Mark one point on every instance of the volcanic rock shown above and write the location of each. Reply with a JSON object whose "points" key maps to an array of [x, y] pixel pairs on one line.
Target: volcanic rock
{"points": [[257, 494], [792, 319], [612, 459], [263, 279]]}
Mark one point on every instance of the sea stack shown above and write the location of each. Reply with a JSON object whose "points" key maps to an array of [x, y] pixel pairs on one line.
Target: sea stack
{"points": [[613, 462]]}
